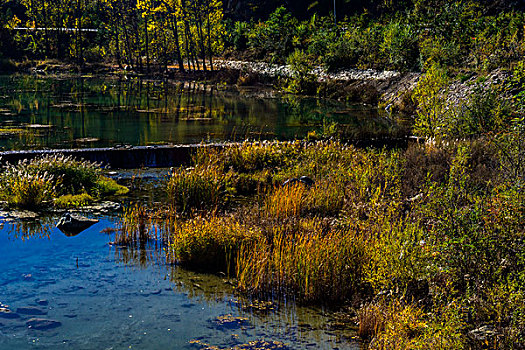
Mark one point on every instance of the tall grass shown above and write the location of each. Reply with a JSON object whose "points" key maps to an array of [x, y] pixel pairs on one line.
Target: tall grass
{"points": [[315, 267], [32, 183], [209, 242], [22, 188], [75, 175], [199, 187]]}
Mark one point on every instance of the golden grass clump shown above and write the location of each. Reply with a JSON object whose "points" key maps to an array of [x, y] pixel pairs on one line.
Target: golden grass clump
{"points": [[197, 188], [209, 242], [325, 198], [286, 201], [313, 267], [137, 226]]}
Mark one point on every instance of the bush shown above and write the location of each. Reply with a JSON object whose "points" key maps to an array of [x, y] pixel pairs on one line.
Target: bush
{"points": [[439, 50], [430, 98], [302, 81], [275, 36], [399, 46]]}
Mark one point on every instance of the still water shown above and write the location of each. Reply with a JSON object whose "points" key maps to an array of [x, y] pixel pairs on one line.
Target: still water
{"points": [[97, 296], [108, 298], [95, 112]]}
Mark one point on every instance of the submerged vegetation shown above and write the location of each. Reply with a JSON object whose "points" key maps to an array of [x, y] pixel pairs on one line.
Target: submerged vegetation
{"points": [[62, 179]]}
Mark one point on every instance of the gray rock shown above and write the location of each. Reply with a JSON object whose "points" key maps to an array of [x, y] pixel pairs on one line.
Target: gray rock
{"points": [[72, 225], [31, 310], [6, 313], [42, 302], [483, 333], [19, 215], [42, 324], [304, 180]]}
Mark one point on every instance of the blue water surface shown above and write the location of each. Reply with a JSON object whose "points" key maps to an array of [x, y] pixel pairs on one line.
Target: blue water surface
{"points": [[106, 298]]}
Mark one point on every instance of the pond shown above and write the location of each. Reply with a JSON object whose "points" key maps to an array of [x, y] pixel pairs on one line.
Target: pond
{"points": [[104, 297], [83, 293], [39, 112]]}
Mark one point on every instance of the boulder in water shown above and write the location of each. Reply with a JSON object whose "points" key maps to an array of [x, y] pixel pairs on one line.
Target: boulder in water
{"points": [[72, 225], [42, 324]]}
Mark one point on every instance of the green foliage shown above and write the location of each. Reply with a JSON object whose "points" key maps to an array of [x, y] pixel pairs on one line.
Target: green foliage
{"points": [[399, 46], [302, 80], [430, 98], [445, 52], [275, 36], [73, 201], [105, 186]]}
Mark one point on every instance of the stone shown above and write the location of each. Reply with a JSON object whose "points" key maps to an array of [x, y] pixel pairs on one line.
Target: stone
{"points": [[483, 334], [6, 313], [72, 225], [20, 215], [304, 180], [41, 324], [229, 321], [31, 310]]}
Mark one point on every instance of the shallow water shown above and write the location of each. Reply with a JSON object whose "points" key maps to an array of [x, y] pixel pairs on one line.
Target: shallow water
{"points": [[108, 298], [95, 112]]}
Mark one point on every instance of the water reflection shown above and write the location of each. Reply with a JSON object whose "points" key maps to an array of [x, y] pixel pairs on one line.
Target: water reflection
{"points": [[108, 297], [28, 229], [93, 112]]}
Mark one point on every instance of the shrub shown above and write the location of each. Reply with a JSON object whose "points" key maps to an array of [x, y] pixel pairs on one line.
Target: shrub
{"points": [[430, 97], [341, 51], [407, 327], [302, 80], [439, 50], [275, 36], [400, 46]]}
